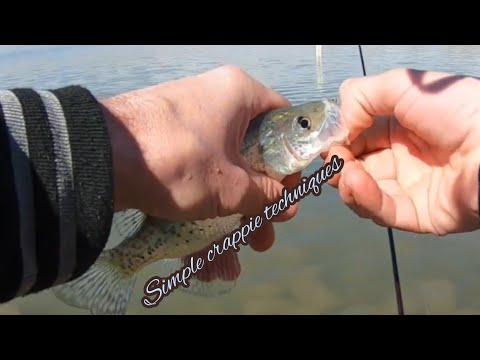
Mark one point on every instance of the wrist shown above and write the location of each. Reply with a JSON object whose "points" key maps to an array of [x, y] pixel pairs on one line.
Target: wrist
{"points": [[125, 153], [135, 123]]}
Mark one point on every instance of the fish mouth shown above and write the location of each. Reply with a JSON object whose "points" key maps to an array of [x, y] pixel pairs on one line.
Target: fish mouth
{"points": [[333, 130], [290, 149]]}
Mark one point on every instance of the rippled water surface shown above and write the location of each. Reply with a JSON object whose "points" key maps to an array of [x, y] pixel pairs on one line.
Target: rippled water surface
{"points": [[326, 260]]}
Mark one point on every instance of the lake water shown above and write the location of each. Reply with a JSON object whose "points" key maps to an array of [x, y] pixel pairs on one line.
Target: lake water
{"points": [[326, 260]]}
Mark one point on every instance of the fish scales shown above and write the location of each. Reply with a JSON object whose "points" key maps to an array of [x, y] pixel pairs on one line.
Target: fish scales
{"points": [[278, 143]]}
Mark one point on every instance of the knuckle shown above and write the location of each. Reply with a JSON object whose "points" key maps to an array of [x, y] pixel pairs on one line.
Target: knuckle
{"points": [[233, 72], [346, 87], [270, 190], [398, 71], [395, 74]]}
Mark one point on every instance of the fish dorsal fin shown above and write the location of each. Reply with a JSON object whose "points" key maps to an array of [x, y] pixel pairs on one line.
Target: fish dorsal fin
{"points": [[128, 222]]}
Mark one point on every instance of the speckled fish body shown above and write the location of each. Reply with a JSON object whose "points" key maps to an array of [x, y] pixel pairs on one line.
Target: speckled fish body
{"points": [[277, 143]]}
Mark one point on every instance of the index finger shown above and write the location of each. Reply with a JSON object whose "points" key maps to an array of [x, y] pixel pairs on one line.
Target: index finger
{"points": [[289, 182], [361, 99]]}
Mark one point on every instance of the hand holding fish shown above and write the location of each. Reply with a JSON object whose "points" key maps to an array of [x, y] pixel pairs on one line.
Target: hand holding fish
{"points": [[198, 172], [413, 162], [176, 149]]}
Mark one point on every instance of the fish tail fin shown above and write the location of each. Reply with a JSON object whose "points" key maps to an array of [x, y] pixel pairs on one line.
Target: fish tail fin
{"points": [[103, 288]]}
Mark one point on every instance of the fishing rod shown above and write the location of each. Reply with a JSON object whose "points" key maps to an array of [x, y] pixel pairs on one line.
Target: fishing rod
{"points": [[396, 277]]}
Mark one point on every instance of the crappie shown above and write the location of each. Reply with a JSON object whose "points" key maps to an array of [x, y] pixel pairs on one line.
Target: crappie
{"points": [[277, 143]]}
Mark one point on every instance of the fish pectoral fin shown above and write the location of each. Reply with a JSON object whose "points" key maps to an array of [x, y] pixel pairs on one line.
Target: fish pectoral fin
{"points": [[128, 222], [215, 278]]}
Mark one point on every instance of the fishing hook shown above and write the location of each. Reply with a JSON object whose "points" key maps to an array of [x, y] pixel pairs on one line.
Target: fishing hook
{"points": [[396, 277]]}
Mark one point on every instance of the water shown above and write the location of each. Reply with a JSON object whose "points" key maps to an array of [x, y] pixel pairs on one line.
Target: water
{"points": [[326, 260]]}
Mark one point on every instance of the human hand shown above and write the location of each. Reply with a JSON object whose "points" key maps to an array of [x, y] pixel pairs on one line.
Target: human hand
{"points": [[413, 162], [176, 149]]}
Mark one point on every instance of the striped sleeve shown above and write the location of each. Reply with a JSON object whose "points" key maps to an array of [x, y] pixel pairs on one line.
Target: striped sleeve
{"points": [[55, 186]]}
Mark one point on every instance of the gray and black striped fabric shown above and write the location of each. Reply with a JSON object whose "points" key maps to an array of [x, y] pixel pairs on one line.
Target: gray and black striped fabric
{"points": [[56, 187]]}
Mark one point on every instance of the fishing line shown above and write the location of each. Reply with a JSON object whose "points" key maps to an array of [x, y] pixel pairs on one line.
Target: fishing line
{"points": [[396, 277]]}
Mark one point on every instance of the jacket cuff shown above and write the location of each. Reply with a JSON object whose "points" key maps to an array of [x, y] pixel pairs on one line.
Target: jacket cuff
{"points": [[58, 184]]}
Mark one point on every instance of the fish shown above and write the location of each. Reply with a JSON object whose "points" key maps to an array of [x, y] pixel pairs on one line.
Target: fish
{"points": [[277, 143]]}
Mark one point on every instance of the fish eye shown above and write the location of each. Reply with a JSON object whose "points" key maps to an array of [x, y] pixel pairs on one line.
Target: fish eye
{"points": [[304, 122]]}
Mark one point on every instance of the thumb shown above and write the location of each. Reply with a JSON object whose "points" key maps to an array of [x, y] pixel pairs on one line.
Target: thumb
{"points": [[264, 191], [361, 193], [245, 191]]}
